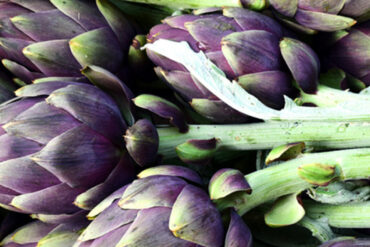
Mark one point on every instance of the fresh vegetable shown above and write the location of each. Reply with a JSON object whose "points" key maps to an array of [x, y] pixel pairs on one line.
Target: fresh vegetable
{"points": [[63, 145], [309, 16], [52, 231], [248, 47], [318, 15], [59, 37], [349, 51], [164, 207]]}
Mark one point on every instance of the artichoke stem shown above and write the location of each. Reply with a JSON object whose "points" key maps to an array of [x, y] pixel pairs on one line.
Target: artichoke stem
{"points": [[317, 135], [328, 97], [283, 179]]}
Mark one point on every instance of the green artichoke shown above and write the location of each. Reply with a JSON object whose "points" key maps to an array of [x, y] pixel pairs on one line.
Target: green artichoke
{"points": [[248, 47], [59, 37], [164, 207]]}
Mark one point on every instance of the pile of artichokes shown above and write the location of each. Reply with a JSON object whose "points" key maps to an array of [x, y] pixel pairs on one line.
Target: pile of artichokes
{"points": [[163, 123]]}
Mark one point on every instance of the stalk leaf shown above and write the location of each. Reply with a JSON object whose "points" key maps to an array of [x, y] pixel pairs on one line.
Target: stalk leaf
{"points": [[211, 77], [341, 192]]}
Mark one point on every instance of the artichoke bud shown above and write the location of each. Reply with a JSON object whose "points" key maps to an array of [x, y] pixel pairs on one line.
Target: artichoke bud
{"points": [[255, 4], [335, 78], [66, 136], [285, 152], [313, 16], [162, 108], [137, 56], [164, 207], [227, 181], [285, 211], [302, 62], [238, 233], [58, 38], [52, 231], [161, 208], [248, 47], [350, 52], [142, 142], [318, 174], [197, 152]]}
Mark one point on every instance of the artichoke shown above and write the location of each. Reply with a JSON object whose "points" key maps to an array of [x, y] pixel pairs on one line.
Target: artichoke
{"points": [[62, 144], [53, 231], [321, 15], [164, 207], [350, 52], [305, 15], [59, 37], [248, 47]]}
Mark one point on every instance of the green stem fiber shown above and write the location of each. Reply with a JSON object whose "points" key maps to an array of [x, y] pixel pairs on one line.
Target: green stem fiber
{"points": [[318, 135], [349, 215]]}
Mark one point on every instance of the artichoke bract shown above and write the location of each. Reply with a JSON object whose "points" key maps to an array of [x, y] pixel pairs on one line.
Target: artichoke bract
{"points": [[319, 15], [164, 207], [54, 231], [62, 145], [248, 47], [350, 52], [59, 37]]}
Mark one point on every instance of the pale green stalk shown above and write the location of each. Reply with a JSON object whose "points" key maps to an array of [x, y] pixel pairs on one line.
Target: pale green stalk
{"points": [[318, 135], [349, 215], [327, 96], [283, 179]]}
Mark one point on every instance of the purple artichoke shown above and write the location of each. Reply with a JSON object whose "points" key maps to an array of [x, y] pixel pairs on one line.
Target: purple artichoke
{"points": [[62, 145], [59, 37], [351, 53], [321, 15], [164, 207], [55, 231], [249, 47]]}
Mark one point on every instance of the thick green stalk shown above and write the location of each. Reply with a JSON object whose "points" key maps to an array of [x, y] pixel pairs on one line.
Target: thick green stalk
{"points": [[327, 96], [283, 179], [319, 135], [349, 215]]}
